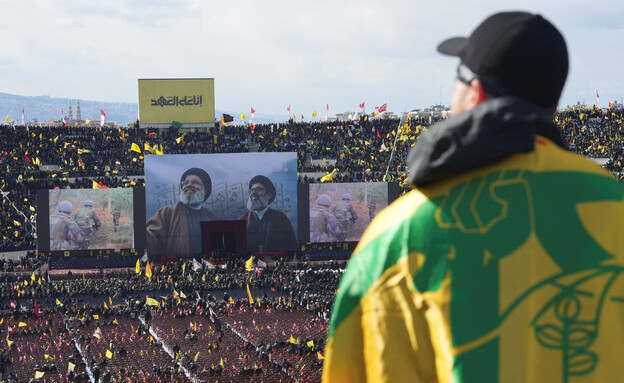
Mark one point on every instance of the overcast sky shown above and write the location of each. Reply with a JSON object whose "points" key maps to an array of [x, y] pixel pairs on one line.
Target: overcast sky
{"points": [[271, 54]]}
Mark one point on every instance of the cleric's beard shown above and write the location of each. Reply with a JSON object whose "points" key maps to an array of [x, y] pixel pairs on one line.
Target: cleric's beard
{"points": [[193, 201], [258, 205]]}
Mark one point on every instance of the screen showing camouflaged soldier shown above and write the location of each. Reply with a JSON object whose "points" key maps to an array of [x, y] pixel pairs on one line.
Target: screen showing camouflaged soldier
{"points": [[65, 234], [324, 227], [87, 219], [345, 213]]}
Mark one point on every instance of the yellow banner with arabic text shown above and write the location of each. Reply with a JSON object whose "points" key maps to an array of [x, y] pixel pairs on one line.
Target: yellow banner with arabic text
{"points": [[188, 101]]}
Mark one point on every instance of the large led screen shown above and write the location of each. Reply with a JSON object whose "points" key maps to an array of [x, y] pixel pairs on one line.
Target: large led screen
{"points": [[183, 190], [340, 212], [86, 219]]}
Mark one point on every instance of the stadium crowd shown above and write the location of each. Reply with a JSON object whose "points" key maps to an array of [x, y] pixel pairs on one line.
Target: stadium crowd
{"points": [[84, 157], [193, 321]]}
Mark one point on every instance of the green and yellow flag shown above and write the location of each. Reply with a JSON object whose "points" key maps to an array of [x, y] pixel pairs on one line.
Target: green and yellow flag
{"points": [[513, 272], [151, 302]]}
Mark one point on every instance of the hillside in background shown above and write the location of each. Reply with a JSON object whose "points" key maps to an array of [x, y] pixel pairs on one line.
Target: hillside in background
{"points": [[44, 108]]}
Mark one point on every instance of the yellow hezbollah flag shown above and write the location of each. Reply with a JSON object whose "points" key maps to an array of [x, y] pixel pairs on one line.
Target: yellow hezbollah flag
{"points": [[329, 176], [109, 354], [249, 264], [151, 302], [544, 308], [148, 270], [96, 185], [39, 374], [137, 268], [293, 340], [135, 148], [249, 294]]}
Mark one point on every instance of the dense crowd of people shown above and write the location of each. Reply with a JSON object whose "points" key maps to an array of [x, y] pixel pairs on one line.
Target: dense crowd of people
{"points": [[191, 321], [78, 157]]}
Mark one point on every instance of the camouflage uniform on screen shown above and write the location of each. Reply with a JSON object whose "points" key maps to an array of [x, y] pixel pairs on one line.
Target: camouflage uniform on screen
{"points": [[344, 212], [87, 219], [64, 232], [324, 227], [116, 216]]}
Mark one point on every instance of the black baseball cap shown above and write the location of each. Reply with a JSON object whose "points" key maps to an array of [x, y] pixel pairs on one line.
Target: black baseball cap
{"points": [[521, 52]]}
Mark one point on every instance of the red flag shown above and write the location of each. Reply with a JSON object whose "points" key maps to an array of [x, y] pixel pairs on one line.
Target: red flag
{"points": [[13, 305], [253, 111], [327, 106], [288, 109], [103, 186], [378, 135], [382, 108], [362, 106], [36, 308]]}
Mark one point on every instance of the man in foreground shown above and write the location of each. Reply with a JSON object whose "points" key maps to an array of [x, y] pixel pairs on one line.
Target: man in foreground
{"points": [[505, 262], [176, 229]]}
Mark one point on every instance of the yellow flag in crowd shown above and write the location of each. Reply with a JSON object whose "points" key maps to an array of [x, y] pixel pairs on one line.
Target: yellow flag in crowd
{"points": [[70, 367], [314, 114], [221, 363], [9, 342], [293, 340], [148, 270], [249, 294], [242, 116], [319, 355], [310, 343], [249, 264], [182, 295], [135, 148], [39, 374], [32, 277], [137, 268], [96, 185], [6, 120], [109, 354], [22, 324], [59, 302], [196, 356], [147, 146], [151, 302], [330, 176]]}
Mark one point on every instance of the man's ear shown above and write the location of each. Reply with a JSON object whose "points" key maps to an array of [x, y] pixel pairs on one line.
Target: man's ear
{"points": [[477, 93]]}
